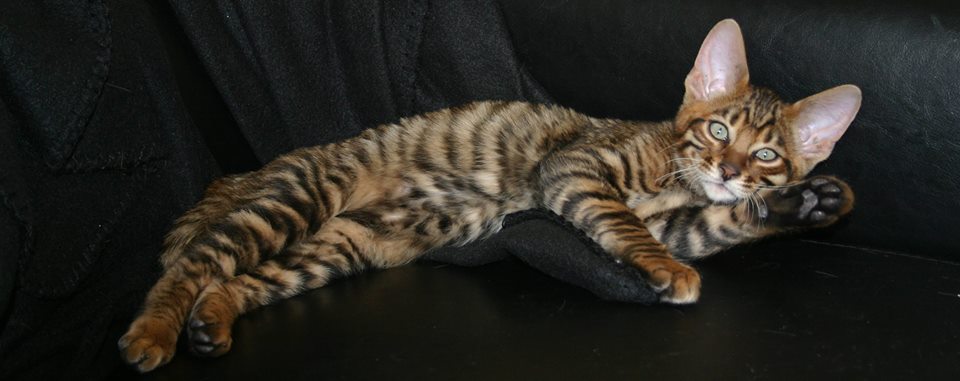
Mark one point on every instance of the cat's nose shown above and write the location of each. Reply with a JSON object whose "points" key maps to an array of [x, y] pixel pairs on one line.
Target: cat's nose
{"points": [[728, 171]]}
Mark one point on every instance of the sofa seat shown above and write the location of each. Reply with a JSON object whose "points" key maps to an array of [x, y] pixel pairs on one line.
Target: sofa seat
{"points": [[785, 309]]}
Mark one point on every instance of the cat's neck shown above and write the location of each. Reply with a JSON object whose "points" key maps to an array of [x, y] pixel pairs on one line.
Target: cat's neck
{"points": [[662, 139], [675, 176]]}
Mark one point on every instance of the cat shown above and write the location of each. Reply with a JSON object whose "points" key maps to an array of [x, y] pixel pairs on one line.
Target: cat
{"points": [[729, 168]]}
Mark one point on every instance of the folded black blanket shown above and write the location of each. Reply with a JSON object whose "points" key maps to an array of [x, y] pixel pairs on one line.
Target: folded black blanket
{"points": [[552, 245]]}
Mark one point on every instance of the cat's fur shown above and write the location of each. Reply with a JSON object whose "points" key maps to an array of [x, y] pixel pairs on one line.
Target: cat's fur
{"points": [[645, 192]]}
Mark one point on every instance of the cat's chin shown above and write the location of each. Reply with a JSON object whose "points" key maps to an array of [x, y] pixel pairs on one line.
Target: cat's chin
{"points": [[719, 193]]}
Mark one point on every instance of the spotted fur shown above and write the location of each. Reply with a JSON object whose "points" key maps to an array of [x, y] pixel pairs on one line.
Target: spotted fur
{"points": [[449, 177]]}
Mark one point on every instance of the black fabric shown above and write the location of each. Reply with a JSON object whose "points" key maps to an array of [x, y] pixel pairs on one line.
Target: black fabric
{"points": [[98, 156], [300, 74], [546, 242], [67, 72]]}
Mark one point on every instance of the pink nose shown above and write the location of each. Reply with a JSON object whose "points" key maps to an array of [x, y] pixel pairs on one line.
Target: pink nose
{"points": [[728, 171]]}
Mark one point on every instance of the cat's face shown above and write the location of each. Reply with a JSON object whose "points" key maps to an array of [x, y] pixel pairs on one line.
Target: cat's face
{"points": [[732, 148], [735, 139]]}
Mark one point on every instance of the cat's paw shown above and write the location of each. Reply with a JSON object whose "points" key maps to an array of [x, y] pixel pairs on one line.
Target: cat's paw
{"points": [[210, 322], [675, 282], [149, 343], [815, 202]]}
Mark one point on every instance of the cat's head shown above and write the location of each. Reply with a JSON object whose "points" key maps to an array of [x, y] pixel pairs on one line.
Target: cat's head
{"points": [[736, 138]]}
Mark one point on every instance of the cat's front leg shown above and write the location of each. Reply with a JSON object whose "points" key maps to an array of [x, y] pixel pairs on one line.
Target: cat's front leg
{"points": [[697, 232], [596, 209], [621, 234]]}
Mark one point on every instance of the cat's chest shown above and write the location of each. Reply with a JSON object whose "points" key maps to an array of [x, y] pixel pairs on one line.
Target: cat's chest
{"points": [[646, 205]]}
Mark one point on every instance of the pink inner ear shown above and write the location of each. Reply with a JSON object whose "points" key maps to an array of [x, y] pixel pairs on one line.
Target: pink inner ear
{"points": [[824, 117], [721, 65]]}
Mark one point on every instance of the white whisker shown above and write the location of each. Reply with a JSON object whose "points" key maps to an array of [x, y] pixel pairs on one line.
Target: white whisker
{"points": [[679, 171], [674, 145]]}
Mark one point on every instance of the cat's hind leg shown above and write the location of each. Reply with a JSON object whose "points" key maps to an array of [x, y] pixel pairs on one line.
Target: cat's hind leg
{"points": [[151, 339], [209, 245], [340, 248]]}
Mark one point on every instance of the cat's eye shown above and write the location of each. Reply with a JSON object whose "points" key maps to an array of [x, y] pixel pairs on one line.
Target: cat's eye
{"points": [[719, 131], [765, 154]]}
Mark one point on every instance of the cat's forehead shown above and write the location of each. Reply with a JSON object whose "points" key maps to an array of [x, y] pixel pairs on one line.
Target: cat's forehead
{"points": [[757, 108]]}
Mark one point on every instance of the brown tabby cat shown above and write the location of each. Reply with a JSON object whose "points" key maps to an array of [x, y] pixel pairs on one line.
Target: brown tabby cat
{"points": [[715, 176]]}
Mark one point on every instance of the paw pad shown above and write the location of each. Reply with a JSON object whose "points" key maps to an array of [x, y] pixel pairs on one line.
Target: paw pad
{"points": [[818, 201]]}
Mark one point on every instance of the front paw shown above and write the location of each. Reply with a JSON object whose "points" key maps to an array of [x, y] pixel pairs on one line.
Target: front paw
{"points": [[815, 202], [676, 282], [149, 343]]}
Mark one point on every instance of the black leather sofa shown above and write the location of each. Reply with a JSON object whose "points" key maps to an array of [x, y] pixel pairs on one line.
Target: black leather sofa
{"points": [[116, 114]]}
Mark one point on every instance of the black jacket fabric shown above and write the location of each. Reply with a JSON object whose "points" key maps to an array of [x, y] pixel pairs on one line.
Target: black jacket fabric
{"points": [[298, 74], [97, 156]]}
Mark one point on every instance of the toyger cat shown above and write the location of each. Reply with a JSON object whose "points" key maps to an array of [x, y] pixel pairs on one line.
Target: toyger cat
{"points": [[728, 169]]}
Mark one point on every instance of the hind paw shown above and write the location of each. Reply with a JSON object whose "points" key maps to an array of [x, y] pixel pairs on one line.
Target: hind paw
{"points": [[148, 344], [210, 323]]}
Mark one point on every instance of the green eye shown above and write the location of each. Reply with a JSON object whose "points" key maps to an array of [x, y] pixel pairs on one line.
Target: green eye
{"points": [[765, 154], [719, 131]]}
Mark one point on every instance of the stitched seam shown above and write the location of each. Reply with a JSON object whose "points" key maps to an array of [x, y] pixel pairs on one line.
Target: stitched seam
{"points": [[99, 22], [413, 61], [115, 161], [91, 252], [17, 209]]}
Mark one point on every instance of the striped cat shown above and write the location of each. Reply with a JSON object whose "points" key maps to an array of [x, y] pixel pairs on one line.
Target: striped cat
{"points": [[728, 169]]}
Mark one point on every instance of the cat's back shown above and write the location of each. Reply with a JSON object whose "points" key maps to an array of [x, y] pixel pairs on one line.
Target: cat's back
{"points": [[476, 135], [494, 115]]}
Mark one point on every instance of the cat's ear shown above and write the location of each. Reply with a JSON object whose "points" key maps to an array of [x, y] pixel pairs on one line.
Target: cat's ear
{"points": [[821, 119], [721, 65]]}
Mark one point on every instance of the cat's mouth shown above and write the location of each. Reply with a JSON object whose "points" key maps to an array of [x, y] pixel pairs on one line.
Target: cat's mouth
{"points": [[719, 192]]}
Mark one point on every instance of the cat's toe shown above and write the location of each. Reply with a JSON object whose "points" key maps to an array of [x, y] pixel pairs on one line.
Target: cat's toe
{"points": [[676, 282], [830, 203], [684, 288], [210, 324], [148, 344], [818, 216], [831, 189], [834, 199], [819, 181], [208, 338]]}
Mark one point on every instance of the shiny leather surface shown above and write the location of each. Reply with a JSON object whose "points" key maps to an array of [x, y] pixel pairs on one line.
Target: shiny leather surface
{"points": [[787, 310], [628, 59]]}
